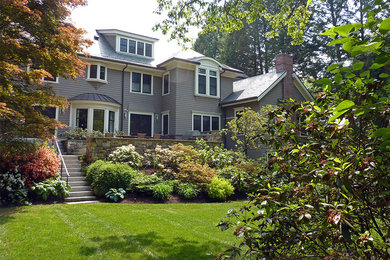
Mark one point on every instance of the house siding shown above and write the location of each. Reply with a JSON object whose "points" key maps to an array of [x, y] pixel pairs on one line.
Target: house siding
{"points": [[169, 102], [187, 102]]}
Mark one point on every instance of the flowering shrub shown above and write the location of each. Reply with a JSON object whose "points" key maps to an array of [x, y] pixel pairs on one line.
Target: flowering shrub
{"points": [[217, 156], [220, 189], [162, 158], [12, 189], [81, 134], [35, 166], [126, 154], [50, 189], [197, 174]]}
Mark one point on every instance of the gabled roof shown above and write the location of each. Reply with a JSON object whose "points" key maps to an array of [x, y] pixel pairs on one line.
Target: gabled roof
{"points": [[94, 97], [253, 87]]}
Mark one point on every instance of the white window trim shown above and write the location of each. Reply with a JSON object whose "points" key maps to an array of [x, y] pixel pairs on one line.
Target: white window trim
{"points": [[165, 113], [142, 84], [49, 81], [211, 115], [91, 105], [169, 83], [43, 78], [118, 47], [97, 73], [207, 68], [140, 113]]}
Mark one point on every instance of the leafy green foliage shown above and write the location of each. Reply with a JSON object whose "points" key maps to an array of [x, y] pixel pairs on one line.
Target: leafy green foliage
{"points": [[81, 134], [115, 194], [162, 191], [50, 189], [35, 32], [144, 183], [220, 189], [12, 190], [128, 155], [187, 191], [106, 175], [328, 197]]}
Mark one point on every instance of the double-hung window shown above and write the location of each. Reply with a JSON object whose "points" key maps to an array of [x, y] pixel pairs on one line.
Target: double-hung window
{"points": [[205, 123], [97, 72], [166, 84], [141, 83], [207, 82]]}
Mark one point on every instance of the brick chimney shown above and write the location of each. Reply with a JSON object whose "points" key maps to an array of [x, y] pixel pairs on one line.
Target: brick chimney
{"points": [[284, 62]]}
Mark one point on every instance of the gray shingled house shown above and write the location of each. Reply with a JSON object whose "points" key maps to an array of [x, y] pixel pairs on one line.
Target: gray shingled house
{"points": [[126, 89]]}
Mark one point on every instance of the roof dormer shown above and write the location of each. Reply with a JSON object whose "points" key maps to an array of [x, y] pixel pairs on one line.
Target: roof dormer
{"points": [[131, 44]]}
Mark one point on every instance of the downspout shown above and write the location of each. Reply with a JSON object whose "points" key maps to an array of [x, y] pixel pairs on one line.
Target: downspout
{"points": [[123, 95], [224, 139]]}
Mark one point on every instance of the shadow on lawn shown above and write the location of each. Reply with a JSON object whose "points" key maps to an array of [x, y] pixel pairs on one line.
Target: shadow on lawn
{"points": [[155, 244], [6, 214]]}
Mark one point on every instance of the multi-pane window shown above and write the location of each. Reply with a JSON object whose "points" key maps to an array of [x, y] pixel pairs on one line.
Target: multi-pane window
{"points": [[202, 80], [166, 84], [141, 83], [123, 45], [97, 72], [140, 48], [207, 82], [132, 45], [148, 50], [98, 120], [135, 47], [205, 123]]}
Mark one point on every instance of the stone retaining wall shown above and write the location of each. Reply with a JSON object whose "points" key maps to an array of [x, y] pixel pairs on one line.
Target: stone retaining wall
{"points": [[100, 148]]}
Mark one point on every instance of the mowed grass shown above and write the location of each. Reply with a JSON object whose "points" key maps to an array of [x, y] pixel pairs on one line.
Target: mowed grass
{"points": [[114, 231]]}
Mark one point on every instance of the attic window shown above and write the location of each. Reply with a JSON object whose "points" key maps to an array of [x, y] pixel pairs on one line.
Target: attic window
{"points": [[139, 48]]}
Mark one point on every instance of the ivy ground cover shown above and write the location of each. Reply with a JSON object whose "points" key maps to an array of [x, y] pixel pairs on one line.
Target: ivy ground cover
{"points": [[114, 231]]}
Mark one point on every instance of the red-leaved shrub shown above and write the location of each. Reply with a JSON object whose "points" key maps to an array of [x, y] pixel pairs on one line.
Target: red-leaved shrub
{"points": [[35, 166], [197, 174]]}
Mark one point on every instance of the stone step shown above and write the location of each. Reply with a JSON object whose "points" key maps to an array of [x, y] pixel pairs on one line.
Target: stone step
{"points": [[80, 193], [82, 198], [77, 183], [80, 188], [76, 178]]}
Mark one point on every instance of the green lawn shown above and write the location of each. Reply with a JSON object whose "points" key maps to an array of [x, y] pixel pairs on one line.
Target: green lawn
{"points": [[114, 231]]}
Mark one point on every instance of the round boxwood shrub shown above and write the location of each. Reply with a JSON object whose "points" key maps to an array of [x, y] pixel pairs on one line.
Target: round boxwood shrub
{"points": [[187, 191], [106, 175], [162, 191], [220, 189]]}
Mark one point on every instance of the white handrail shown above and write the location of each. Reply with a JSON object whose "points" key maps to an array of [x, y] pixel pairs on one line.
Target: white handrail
{"points": [[62, 162]]}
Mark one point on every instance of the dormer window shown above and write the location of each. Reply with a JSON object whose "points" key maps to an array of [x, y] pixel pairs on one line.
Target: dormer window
{"points": [[97, 72], [130, 46]]}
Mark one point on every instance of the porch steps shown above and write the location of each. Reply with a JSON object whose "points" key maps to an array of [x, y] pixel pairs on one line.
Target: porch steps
{"points": [[80, 190]]}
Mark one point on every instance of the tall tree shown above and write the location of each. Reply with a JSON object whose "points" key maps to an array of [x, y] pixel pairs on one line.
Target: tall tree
{"points": [[36, 41]]}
